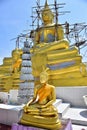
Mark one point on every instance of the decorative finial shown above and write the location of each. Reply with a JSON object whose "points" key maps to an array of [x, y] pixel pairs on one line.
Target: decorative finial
{"points": [[46, 8], [46, 4]]}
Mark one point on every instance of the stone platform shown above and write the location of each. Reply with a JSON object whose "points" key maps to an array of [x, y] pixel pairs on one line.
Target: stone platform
{"points": [[66, 125], [10, 114]]}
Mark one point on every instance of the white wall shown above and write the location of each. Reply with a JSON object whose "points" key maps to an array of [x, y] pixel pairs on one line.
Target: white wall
{"points": [[73, 95]]}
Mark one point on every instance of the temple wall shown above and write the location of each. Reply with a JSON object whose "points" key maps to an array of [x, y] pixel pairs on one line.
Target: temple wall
{"points": [[73, 95]]}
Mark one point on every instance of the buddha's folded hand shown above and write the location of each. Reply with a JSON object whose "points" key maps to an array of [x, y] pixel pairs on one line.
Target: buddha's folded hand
{"points": [[25, 108]]}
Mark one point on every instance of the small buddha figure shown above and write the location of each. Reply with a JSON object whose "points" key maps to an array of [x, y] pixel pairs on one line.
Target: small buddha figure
{"points": [[11, 75], [40, 111], [16, 61]]}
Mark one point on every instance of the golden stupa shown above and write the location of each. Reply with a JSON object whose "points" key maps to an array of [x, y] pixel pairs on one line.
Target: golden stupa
{"points": [[10, 71], [51, 50]]}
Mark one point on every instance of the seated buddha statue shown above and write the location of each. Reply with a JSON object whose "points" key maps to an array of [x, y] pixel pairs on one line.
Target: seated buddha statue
{"points": [[49, 32], [16, 61], [52, 50], [40, 111], [11, 70], [49, 37]]}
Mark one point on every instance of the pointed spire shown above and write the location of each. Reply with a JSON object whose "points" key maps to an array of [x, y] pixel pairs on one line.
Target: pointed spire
{"points": [[46, 8], [46, 4]]}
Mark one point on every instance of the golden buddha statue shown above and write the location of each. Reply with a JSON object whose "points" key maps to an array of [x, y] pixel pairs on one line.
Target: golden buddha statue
{"points": [[45, 41], [40, 111], [52, 50], [10, 71], [16, 61], [49, 33]]}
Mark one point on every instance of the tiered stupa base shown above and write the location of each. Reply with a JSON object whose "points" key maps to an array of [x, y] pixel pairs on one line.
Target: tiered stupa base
{"points": [[65, 65], [82, 81]]}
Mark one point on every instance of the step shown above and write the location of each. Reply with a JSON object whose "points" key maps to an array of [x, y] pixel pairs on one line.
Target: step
{"points": [[79, 127], [77, 115], [57, 102], [62, 108]]}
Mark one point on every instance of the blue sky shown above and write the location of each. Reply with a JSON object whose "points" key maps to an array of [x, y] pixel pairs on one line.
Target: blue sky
{"points": [[15, 17]]}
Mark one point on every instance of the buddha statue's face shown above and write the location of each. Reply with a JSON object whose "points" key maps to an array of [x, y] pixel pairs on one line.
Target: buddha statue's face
{"points": [[15, 57], [43, 77], [47, 17]]}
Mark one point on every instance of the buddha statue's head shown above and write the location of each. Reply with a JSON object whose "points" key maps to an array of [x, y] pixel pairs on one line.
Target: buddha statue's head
{"points": [[15, 55], [47, 14], [44, 77]]}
